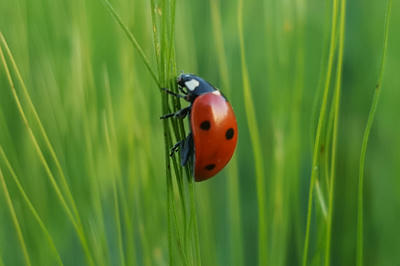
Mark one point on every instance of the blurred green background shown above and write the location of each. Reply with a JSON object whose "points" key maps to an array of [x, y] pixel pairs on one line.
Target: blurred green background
{"points": [[100, 110]]}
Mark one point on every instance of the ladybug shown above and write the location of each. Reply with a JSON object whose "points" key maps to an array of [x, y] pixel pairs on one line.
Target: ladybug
{"points": [[213, 128]]}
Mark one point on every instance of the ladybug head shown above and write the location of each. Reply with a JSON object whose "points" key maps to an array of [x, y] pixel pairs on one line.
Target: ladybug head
{"points": [[194, 85], [188, 81]]}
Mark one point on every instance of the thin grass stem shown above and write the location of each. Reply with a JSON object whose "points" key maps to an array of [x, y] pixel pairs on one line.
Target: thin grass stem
{"points": [[77, 225], [115, 197], [112, 141], [256, 146], [102, 256], [371, 116], [156, 41], [233, 184], [31, 207], [321, 199], [15, 220], [195, 225], [42, 130], [321, 122], [323, 62], [332, 178], [132, 39]]}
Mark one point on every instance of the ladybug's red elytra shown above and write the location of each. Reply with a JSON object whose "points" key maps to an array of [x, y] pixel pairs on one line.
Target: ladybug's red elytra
{"points": [[213, 128]]}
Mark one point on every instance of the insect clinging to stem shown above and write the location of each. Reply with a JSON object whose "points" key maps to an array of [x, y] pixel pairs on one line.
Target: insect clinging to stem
{"points": [[213, 127]]}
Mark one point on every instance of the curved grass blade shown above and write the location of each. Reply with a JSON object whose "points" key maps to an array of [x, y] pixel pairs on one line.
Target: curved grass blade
{"points": [[31, 207], [132, 39], [15, 219], [77, 225], [321, 122], [367, 131], [43, 131]]}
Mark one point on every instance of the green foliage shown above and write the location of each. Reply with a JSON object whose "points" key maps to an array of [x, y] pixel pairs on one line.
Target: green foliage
{"points": [[85, 172]]}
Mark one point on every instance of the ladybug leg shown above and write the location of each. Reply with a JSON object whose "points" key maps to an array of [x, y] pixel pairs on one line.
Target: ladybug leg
{"points": [[182, 90], [174, 94], [187, 149], [179, 114], [176, 147]]}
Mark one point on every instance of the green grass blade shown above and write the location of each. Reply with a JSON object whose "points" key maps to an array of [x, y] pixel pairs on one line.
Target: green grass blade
{"points": [[321, 123], [335, 130], [75, 217], [233, 184], [115, 197], [156, 40], [132, 39], [195, 230], [112, 141], [321, 77], [219, 43], [174, 130], [31, 207], [42, 130], [371, 116], [256, 145], [321, 199], [42, 159], [15, 219]]}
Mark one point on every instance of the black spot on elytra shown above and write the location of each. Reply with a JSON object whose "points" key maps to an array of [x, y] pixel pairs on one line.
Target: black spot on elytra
{"points": [[210, 167], [229, 133], [205, 125]]}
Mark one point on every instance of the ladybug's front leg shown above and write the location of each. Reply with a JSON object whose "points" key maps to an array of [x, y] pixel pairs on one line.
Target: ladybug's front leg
{"points": [[175, 94], [179, 114]]}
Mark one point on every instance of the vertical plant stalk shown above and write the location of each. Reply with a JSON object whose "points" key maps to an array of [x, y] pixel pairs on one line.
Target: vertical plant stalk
{"points": [[256, 144], [321, 199], [102, 250], [321, 122], [115, 196], [371, 116], [166, 65], [15, 220], [323, 62], [335, 130], [168, 74], [119, 189], [325, 141], [189, 248], [295, 135]]}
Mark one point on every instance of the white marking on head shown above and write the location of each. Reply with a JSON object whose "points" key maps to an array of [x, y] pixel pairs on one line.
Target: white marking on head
{"points": [[192, 84], [216, 93]]}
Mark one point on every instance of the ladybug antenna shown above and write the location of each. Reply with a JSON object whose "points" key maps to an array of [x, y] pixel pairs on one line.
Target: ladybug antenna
{"points": [[179, 77], [181, 74]]}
